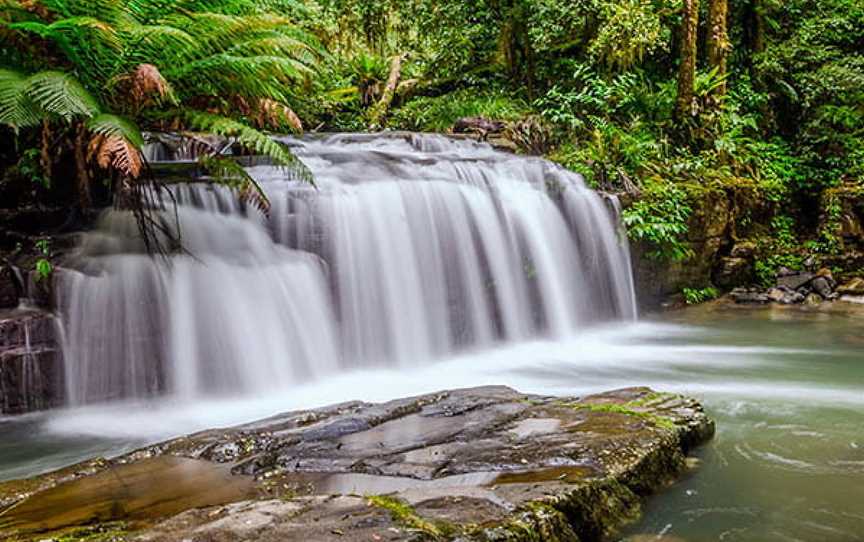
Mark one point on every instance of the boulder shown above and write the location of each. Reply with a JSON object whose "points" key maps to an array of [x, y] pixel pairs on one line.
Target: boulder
{"points": [[823, 287], [794, 281], [785, 296]]}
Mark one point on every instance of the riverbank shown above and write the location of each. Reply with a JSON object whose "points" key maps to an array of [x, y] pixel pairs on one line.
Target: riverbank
{"points": [[476, 464]]}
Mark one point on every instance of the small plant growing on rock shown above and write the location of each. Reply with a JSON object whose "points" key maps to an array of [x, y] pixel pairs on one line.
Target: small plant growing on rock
{"points": [[694, 296], [43, 265]]}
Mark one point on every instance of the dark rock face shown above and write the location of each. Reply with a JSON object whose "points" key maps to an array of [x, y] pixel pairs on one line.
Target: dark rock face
{"points": [[479, 464], [733, 271], [31, 368]]}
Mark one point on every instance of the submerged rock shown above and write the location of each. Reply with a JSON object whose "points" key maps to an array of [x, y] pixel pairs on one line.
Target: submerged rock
{"points": [[478, 464]]}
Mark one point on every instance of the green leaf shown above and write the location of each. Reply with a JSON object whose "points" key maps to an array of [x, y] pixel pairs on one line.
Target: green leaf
{"points": [[107, 124]]}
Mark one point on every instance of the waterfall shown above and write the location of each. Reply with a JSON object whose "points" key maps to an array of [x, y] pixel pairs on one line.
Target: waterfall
{"points": [[410, 248]]}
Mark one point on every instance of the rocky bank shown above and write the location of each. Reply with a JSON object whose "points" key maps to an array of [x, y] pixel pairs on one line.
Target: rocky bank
{"points": [[478, 464]]}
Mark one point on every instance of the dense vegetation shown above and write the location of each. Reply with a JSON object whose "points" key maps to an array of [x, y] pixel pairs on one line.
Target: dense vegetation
{"points": [[664, 100]]}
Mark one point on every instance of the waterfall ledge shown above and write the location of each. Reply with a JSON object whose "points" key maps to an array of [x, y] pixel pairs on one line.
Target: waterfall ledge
{"points": [[478, 464]]}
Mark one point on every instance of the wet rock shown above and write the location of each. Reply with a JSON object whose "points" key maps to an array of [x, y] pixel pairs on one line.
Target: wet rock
{"points": [[747, 296], [31, 367], [853, 287], [471, 465], [823, 287], [813, 300], [795, 280], [785, 296]]}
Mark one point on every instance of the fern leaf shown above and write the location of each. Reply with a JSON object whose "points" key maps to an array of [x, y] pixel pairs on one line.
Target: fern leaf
{"points": [[250, 138], [16, 107], [109, 125], [61, 94], [227, 172]]}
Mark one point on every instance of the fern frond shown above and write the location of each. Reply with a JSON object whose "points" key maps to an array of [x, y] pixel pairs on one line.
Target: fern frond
{"points": [[250, 138], [16, 107], [117, 153], [116, 144], [250, 77], [108, 125], [278, 45], [227, 172], [62, 95], [159, 44], [26, 100], [108, 10]]}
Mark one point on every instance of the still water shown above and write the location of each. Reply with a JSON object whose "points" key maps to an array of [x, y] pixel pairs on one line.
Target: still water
{"points": [[786, 387]]}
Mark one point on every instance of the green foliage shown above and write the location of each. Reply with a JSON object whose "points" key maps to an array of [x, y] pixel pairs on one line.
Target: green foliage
{"points": [[114, 67], [440, 113], [30, 168], [767, 267], [659, 218], [694, 296], [43, 266]]}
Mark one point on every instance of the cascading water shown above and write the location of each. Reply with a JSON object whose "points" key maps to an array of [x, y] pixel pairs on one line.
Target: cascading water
{"points": [[411, 248]]}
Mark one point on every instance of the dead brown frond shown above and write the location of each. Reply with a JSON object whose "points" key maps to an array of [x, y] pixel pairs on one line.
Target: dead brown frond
{"points": [[144, 85], [115, 152], [273, 114]]}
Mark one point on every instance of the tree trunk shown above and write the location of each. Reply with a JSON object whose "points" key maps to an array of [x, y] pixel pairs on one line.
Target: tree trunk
{"points": [[687, 68], [759, 23], [718, 39], [46, 158], [83, 176], [380, 110]]}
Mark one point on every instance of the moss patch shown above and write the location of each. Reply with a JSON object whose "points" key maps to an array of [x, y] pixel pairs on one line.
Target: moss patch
{"points": [[629, 409], [406, 516]]}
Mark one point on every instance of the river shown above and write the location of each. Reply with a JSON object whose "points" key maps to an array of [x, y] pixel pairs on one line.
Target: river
{"points": [[786, 387]]}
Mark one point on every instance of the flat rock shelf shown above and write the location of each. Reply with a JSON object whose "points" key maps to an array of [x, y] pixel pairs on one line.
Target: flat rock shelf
{"points": [[477, 464]]}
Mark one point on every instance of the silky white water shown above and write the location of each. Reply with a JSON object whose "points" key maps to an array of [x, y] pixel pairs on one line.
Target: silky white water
{"points": [[409, 249]]}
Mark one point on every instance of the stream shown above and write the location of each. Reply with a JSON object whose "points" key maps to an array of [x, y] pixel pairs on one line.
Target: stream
{"points": [[786, 387]]}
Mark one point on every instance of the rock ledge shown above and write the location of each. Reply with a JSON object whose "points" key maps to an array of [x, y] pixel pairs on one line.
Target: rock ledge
{"points": [[480, 464]]}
